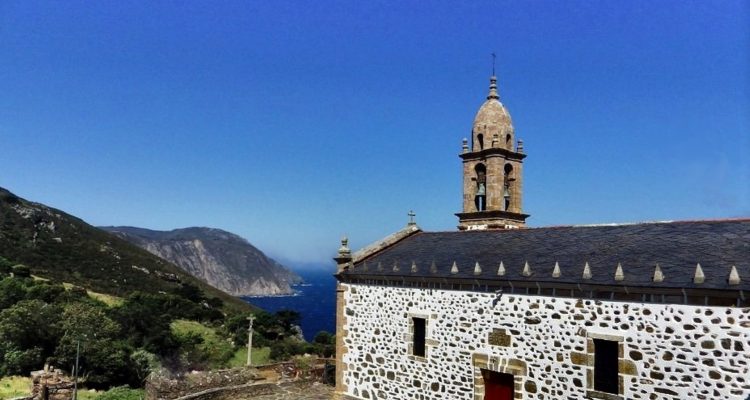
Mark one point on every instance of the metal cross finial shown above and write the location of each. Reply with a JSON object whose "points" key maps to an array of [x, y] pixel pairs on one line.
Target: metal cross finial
{"points": [[493, 63], [411, 217]]}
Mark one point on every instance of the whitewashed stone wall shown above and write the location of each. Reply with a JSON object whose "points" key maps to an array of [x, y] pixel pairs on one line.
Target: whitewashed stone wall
{"points": [[668, 351]]}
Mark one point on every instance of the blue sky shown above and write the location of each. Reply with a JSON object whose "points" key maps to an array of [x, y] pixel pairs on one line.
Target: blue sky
{"points": [[292, 123]]}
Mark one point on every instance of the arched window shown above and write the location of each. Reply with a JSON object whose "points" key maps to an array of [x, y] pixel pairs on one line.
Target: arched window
{"points": [[480, 198], [507, 186], [508, 143], [480, 141]]}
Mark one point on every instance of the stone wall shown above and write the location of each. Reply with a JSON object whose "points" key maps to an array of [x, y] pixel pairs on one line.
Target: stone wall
{"points": [[162, 386], [51, 384], [665, 351]]}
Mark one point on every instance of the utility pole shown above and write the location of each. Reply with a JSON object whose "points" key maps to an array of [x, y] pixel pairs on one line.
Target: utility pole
{"points": [[250, 339], [75, 375]]}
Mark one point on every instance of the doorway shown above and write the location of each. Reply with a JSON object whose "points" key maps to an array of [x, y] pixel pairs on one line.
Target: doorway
{"points": [[497, 386]]}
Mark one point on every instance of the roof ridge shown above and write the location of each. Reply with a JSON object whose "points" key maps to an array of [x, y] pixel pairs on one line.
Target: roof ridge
{"points": [[605, 224]]}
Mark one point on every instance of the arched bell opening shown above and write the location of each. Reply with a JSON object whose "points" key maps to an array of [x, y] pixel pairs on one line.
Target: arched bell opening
{"points": [[507, 186], [480, 199]]}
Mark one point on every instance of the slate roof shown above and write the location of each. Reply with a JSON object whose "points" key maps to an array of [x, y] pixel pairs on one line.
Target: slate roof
{"points": [[676, 246]]}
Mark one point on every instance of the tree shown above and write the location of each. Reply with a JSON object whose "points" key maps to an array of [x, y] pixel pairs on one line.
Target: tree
{"points": [[325, 343], [145, 320], [28, 334], [323, 337], [288, 319], [103, 357], [12, 291], [190, 292]]}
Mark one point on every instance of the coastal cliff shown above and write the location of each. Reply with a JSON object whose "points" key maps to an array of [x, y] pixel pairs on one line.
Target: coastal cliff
{"points": [[220, 258]]}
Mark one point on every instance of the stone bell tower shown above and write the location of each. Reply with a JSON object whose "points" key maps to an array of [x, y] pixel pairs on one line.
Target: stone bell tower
{"points": [[493, 172]]}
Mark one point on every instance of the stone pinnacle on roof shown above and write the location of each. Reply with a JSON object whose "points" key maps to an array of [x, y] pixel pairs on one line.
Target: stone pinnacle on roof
{"points": [[556, 270], [380, 266], [526, 269], [586, 271], [433, 267], [477, 269], [699, 277], [454, 268], [395, 266], [493, 89], [364, 266], [501, 269], [413, 266], [619, 274], [734, 276], [344, 249], [658, 275]]}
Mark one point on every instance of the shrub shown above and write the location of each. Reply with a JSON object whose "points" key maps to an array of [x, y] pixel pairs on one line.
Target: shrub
{"points": [[21, 271], [282, 350], [5, 266], [122, 393]]}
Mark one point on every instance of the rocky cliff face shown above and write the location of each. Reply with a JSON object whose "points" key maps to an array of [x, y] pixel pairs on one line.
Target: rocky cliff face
{"points": [[219, 258]]}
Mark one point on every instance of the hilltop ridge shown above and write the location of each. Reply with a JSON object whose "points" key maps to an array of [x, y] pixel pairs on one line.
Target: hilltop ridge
{"points": [[62, 247]]}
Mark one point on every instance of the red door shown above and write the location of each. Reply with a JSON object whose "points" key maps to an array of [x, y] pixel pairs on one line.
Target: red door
{"points": [[497, 386]]}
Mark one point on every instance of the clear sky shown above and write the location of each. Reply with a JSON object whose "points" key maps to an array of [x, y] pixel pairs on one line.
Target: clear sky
{"points": [[292, 123]]}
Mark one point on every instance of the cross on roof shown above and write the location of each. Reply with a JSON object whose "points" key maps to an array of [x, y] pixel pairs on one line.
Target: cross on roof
{"points": [[411, 215]]}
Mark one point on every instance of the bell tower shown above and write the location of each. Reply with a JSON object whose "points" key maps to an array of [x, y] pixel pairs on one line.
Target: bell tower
{"points": [[492, 170]]}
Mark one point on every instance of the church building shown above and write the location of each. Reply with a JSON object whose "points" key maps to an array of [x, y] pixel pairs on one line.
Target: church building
{"points": [[496, 310]]}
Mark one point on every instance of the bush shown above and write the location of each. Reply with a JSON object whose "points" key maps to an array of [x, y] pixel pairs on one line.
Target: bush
{"points": [[21, 271], [122, 393], [5, 266], [283, 350], [144, 363], [11, 292]]}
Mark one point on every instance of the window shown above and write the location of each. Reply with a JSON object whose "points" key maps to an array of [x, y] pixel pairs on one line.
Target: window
{"points": [[419, 335], [605, 366], [480, 141]]}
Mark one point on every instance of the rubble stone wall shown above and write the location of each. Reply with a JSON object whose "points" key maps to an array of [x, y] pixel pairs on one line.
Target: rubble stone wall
{"points": [[666, 351]]}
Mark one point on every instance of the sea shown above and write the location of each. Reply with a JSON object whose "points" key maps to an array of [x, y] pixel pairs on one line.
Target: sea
{"points": [[315, 300]]}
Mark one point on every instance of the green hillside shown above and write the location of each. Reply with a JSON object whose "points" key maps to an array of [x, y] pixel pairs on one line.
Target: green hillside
{"points": [[63, 248]]}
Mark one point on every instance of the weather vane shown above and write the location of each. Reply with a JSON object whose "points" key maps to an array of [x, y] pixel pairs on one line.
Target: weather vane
{"points": [[493, 63]]}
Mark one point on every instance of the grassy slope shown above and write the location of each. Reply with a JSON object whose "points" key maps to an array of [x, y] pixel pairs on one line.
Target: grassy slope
{"points": [[14, 386], [64, 248], [260, 356], [17, 386], [221, 352]]}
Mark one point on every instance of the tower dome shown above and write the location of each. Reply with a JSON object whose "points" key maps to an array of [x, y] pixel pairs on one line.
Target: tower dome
{"points": [[492, 124]]}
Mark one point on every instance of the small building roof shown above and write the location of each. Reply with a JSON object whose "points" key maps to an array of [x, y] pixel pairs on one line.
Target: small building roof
{"points": [[654, 254]]}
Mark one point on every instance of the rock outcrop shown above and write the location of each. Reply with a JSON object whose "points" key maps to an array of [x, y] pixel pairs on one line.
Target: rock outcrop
{"points": [[219, 258]]}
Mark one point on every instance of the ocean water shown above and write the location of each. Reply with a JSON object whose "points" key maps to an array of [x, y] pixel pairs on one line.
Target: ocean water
{"points": [[315, 300]]}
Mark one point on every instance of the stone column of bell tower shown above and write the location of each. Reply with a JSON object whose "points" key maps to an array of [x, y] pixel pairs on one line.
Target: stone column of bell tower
{"points": [[492, 170]]}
